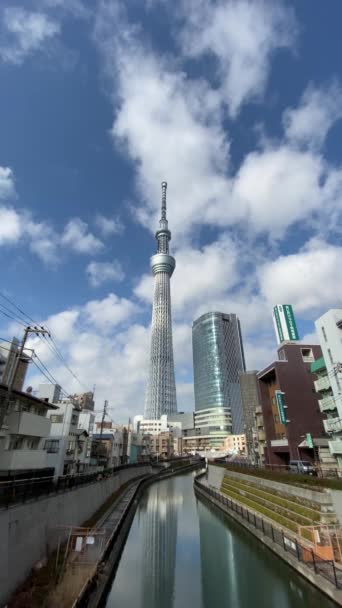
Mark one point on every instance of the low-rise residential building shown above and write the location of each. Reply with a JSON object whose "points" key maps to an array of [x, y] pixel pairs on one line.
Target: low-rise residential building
{"points": [[235, 444], [49, 392], [62, 445], [86, 421], [329, 330], [289, 404], [23, 432], [151, 427], [84, 400], [162, 445]]}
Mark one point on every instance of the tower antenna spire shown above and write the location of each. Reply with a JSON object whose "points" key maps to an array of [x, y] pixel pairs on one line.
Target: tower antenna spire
{"points": [[163, 205]]}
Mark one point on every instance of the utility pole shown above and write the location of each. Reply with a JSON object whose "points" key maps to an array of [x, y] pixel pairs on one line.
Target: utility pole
{"points": [[18, 356]]}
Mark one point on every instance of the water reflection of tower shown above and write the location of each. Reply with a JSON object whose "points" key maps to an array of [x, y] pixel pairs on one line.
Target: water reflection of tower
{"points": [[159, 536]]}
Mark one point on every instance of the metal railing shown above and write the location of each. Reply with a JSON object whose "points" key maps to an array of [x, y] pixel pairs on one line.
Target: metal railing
{"points": [[290, 544], [21, 490]]}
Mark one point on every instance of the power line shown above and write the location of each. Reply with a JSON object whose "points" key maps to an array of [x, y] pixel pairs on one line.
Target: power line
{"points": [[48, 375], [12, 317], [62, 359], [24, 314], [53, 347]]}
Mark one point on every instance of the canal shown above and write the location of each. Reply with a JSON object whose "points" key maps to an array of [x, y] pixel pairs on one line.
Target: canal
{"points": [[183, 553]]}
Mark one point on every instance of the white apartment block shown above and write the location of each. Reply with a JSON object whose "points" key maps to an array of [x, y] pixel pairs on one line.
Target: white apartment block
{"points": [[23, 432], [67, 444], [329, 330], [235, 444], [150, 427]]}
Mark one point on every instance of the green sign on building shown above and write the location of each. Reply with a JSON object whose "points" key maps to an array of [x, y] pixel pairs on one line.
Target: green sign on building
{"points": [[285, 323], [281, 406], [309, 441], [290, 322]]}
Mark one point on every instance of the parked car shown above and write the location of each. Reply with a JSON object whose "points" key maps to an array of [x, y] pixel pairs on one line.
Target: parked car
{"points": [[302, 466]]}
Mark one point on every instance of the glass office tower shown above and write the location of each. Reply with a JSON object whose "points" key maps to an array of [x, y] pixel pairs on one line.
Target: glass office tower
{"points": [[218, 358]]}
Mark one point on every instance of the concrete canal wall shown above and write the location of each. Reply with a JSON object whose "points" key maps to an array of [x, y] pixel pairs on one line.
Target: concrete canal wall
{"points": [[326, 586], [28, 531]]}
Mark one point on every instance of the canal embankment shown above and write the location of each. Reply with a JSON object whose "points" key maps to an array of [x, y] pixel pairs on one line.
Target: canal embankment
{"points": [[30, 532], [274, 512], [119, 518]]}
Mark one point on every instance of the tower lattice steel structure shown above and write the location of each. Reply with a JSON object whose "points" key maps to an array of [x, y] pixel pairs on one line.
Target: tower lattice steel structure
{"points": [[161, 387]]}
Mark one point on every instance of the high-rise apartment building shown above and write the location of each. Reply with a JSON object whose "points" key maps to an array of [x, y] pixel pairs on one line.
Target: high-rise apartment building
{"points": [[218, 358], [329, 330], [161, 386], [250, 401]]}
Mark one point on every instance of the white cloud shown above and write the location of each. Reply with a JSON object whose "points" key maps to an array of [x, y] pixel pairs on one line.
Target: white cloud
{"points": [[102, 272], [175, 134], [317, 112], [276, 187], [43, 240], [77, 237], [108, 225], [10, 225], [179, 134], [6, 183], [241, 36], [25, 32], [309, 279], [111, 311]]}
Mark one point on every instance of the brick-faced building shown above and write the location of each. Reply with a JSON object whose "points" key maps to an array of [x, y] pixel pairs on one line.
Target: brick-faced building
{"points": [[289, 403]]}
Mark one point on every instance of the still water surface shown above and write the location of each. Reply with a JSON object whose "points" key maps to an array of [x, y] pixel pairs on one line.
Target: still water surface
{"points": [[180, 553]]}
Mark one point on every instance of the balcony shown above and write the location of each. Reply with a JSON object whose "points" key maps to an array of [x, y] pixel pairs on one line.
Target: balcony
{"points": [[327, 404], [322, 384], [279, 443], [25, 423], [333, 425], [335, 447], [13, 460]]}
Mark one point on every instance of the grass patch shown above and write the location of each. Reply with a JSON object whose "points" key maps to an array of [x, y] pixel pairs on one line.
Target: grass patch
{"points": [[299, 519], [284, 503], [283, 521], [303, 481]]}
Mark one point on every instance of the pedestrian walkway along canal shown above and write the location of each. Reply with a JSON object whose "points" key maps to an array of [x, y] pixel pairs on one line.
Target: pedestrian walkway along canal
{"points": [[181, 553]]}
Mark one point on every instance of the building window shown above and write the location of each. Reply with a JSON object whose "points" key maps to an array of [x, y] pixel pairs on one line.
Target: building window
{"points": [[16, 443], [281, 355], [330, 356], [324, 334], [57, 418], [307, 355], [52, 446]]}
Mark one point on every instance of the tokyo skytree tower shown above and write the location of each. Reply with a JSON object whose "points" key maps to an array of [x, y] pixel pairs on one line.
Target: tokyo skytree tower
{"points": [[161, 387]]}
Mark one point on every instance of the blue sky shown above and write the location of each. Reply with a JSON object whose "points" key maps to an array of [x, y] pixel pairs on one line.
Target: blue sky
{"points": [[236, 104]]}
